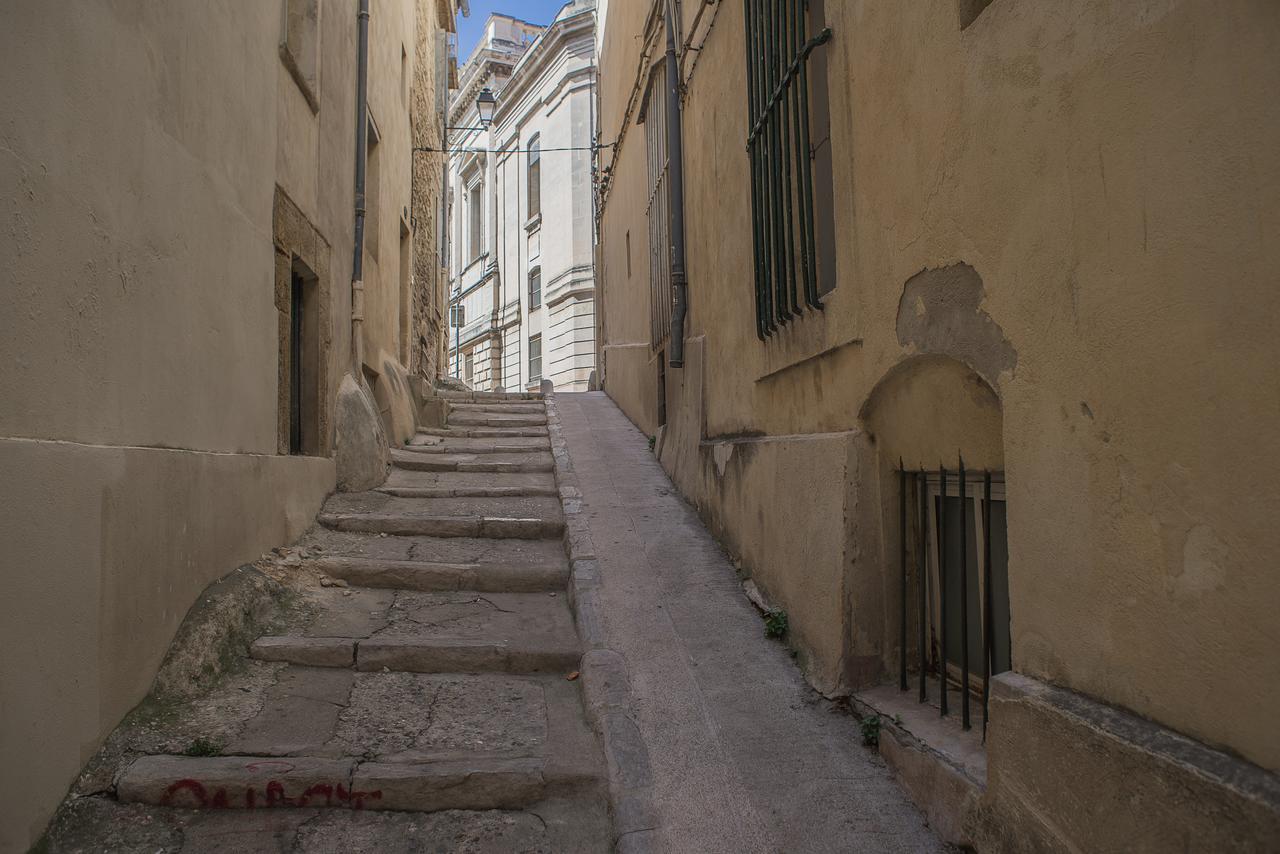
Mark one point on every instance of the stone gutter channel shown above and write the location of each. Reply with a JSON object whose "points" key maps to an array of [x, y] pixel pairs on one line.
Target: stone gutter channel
{"points": [[606, 685]]}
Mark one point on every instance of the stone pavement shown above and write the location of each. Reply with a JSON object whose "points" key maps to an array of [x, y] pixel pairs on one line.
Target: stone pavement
{"points": [[421, 692], [743, 755]]}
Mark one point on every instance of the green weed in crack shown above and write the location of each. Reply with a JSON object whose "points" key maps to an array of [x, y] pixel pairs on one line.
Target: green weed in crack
{"points": [[775, 623]]}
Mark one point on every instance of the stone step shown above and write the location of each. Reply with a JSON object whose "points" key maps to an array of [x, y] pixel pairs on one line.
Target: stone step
{"points": [[493, 445], [452, 484], [505, 462], [577, 825], [526, 516], [432, 632], [511, 408], [438, 577], [322, 544], [499, 527], [480, 432], [494, 419], [254, 782], [489, 395], [414, 655]]}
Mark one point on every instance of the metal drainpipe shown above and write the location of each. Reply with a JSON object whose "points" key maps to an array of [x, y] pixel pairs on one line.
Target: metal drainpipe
{"points": [[362, 154], [675, 156]]}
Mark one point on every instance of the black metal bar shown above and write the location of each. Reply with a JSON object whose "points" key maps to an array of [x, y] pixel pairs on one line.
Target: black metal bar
{"points": [[784, 42], [902, 560], [964, 601], [754, 155], [782, 310], [986, 599], [942, 584], [766, 165], [922, 564], [820, 39], [808, 254]]}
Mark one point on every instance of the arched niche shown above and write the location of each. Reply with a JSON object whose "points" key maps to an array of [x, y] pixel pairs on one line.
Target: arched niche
{"points": [[929, 410]]}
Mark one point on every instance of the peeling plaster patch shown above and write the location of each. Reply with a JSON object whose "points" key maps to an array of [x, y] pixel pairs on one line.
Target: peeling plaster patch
{"points": [[941, 312], [1203, 558]]}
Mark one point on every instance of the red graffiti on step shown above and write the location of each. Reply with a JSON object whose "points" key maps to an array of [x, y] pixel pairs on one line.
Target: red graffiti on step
{"points": [[193, 793]]}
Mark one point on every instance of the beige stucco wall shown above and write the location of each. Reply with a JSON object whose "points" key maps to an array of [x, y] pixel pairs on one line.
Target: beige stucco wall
{"points": [[140, 334], [1108, 171]]}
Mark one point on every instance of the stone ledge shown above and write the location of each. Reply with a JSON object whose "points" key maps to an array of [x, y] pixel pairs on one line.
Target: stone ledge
{"points": [[1120, 782], [606, 686]]}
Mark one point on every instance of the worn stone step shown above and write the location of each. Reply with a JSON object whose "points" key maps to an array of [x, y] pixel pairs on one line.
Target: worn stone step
{"points": [[575, 825], [468, 445], [495, 419], [253, 782], [478, 432], [488, 395], [427, 576], [322, 543], [504, 462], [444, 526], [418, 655], [408, 483], [509, 407], [524, 516], [433, 632]]}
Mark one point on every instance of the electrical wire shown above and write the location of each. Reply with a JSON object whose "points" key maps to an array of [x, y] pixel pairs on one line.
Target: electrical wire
{"points": [[512, 150]]}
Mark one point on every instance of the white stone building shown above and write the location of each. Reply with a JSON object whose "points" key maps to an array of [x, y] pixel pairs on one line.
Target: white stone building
{"points": [[522, 288]]}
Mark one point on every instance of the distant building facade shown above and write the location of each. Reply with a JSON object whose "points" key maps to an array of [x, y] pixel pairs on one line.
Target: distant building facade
{"points": [[1027, 241], [522, 274]]}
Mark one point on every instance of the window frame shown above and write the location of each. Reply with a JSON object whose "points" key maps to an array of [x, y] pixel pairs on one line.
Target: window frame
{"points": [[529, 362], [533, 177], [535, 274], [792, 214]]}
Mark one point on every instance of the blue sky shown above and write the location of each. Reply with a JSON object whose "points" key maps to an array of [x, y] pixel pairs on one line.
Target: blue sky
{"points": [[534, 11]]}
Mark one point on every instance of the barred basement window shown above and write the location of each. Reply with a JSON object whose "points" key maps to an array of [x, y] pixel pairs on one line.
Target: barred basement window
{"points": [[789, 147], [658, 210]]}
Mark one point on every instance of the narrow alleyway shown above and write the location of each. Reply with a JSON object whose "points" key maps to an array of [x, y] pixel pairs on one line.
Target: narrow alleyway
{"points": [[423, 691]]}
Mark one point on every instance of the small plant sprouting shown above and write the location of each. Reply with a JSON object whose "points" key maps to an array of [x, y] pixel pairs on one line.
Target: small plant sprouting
{"points": [[202, 746], [653, 442], [775, 623], [870, 727]]}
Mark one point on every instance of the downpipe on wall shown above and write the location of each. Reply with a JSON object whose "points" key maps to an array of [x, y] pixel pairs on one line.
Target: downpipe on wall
{"points": [[675, 149], [362, 143]]}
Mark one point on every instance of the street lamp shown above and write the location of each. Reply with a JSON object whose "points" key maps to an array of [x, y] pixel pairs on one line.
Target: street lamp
{"points": [[485, 102]]}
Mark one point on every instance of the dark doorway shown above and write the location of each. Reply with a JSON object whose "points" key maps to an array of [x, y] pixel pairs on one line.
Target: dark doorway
{"points": [[304, 352], [297, 306]]}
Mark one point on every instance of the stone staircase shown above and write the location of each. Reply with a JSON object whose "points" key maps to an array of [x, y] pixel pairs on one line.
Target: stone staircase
{"points": [[433, 674]]}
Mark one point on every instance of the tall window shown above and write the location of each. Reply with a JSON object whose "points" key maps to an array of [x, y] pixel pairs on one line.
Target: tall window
{"points": [[469, 369], [535, 359], [659, 213], [475, 217], [535, 177], [789, 149], [535, 288]]}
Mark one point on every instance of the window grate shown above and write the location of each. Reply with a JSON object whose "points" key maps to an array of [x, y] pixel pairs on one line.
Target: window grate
{"points": [[658, 210], [953, 547], [781, 154]]}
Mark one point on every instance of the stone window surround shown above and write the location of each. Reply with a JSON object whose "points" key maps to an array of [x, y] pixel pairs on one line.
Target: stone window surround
{"points": [[295, 238]]}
